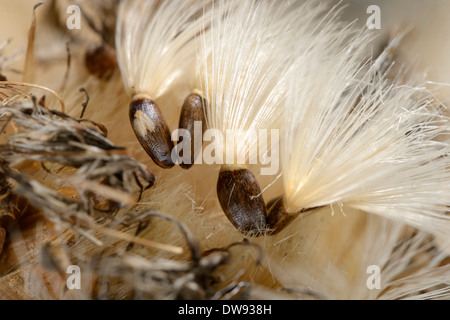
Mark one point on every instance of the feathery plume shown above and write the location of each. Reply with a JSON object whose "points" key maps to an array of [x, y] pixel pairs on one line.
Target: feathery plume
{"points": [[353, 137]]}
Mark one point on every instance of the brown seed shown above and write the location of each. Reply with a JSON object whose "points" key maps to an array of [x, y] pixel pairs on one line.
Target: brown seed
{"points": [[152, 131], [241, 199], [191, 112], [101, 60]]}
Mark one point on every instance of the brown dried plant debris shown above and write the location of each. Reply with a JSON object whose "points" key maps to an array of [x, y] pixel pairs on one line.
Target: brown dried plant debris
{"points": [[99, 17], [10, 211], [8, 203], [125, 274], [97, 172], [54, 137], [93, 166]]}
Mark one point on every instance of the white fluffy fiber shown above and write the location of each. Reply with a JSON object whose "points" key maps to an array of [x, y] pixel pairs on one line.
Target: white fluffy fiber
{"points": [[242, 68], [354, 137], [154, 42], [332, 257]]}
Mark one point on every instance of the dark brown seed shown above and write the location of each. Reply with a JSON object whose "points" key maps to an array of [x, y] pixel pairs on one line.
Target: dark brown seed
{"points": [[191, 112], [152, 131], [3, 78], [241, 199], [101, 60]]}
